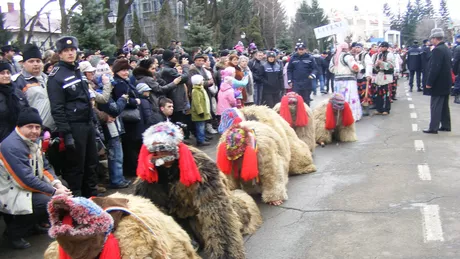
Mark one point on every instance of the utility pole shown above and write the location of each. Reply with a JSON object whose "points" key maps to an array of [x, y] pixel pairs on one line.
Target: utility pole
{"points": [[49, 29]]}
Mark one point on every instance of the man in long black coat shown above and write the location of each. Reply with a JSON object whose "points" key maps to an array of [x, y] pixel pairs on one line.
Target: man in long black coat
{"points": [[439, 82]]}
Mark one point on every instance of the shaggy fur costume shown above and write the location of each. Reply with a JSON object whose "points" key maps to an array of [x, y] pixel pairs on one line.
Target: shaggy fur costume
{"points": [[273, 163], [136, 241], [340, 133], [301, 158], [306, 133], [207, 209]]}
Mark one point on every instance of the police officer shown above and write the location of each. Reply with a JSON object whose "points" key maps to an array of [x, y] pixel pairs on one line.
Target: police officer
{"points": [[414, 64], [72, 113], [301, 72]]}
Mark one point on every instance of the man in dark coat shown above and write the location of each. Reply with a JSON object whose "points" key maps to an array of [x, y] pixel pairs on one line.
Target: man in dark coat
{"points": [[414, 63], [272, 79], [456, 69], [426, 55], [302, 70], [439, 82], [257, 68]]}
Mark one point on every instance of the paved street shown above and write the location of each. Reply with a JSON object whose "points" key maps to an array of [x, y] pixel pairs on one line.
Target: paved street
{"points": [[392, 194]]}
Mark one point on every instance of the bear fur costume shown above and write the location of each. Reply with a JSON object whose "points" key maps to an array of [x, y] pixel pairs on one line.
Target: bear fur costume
{"points": [[301, 158], [305, 133], [136, 241], [205, 207], [340, 133], [273, 158]]}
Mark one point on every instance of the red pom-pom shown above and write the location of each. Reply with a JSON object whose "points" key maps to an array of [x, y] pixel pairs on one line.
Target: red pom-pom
{"points": [[189, 173], [330, 118], [145, 169], [249, 168], [284, 110], [223, 163], [111, 248], [302, 116], [347, 115]]}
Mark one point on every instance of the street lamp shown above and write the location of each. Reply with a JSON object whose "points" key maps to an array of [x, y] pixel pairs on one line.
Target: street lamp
{"points": [[112, 18], [186, 26], [243, 35]]}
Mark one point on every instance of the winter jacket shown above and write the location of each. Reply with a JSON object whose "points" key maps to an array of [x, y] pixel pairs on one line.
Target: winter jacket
{"points": [[23, 171], [250, 86], [299, 69], [217, 68], [34, 88], [120, 86], [257, 69], [69, 96], [456, 60], [143, 75], [272, 78], [148, 116], [414, 58], [320, 64], [426, 56], [11, 102], [200, 104], [178, 94], [112, 109], [225, 98], [439, 70]]}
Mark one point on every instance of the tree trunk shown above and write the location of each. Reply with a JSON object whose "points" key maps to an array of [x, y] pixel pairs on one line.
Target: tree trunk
{"points": [[22, 23], [64, 21], [33, 20], [120, 25]]}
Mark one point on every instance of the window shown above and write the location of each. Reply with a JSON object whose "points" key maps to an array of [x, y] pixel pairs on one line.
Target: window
{"points": [[146, 7]]}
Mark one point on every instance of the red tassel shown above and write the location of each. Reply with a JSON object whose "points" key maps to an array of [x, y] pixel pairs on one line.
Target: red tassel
{"points": [[237, 120], [145, 169], [284, 110], [347, 115], [224, 165], [111, 248], [189, 173], [330, 118], [302, 116], [249, 168]]}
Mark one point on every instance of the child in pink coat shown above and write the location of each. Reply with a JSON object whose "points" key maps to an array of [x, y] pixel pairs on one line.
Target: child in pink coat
{"points": [[226, 97]]}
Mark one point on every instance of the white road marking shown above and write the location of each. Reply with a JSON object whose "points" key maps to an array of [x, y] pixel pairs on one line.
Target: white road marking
{"points": [[411, 106], [432, 227], [409, 98], [414, 127], [424, 172], [407, 90], [419, 146], [407, 94], [413, 115]]}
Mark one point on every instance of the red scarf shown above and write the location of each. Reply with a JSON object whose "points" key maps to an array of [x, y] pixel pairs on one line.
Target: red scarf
{"points": [[189, 173], [347, 116], [301, 117], [111, 248]]}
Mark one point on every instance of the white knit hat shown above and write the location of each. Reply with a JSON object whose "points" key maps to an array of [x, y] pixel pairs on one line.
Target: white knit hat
{"points": [[197, 80]]}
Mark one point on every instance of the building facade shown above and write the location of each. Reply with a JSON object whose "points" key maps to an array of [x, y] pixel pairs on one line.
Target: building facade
{"points": [[146, 11]]}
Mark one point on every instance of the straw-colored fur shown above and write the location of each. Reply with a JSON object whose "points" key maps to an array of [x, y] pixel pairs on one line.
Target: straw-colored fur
{"points": [[340, 133], [204, 209], [248, 211], [273, 164], [301, 158], [306, 133], [136, 241]]}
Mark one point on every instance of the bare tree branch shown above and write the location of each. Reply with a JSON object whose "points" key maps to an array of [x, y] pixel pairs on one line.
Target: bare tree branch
{"points": [[34, 20]]}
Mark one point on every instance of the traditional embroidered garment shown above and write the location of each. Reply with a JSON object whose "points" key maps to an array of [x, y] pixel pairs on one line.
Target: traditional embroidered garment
{"points": [[365, 60], [384, 64], [345, 80]]}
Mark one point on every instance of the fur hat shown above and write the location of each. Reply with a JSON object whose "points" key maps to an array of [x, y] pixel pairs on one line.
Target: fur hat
{"points": [[66, 42], [165, 136], [120, 65], [437, 33], [31, 51], [168, 55], [29, 115], [197, 80]]}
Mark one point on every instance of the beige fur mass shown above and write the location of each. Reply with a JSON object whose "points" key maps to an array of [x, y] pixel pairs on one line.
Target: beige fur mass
{"points": [[136, 241], [301, 158], [273, 163], [340, 133], [307, 133]]}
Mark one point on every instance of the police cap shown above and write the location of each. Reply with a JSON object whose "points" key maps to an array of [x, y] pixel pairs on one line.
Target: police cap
{"points": [[66, 42]]}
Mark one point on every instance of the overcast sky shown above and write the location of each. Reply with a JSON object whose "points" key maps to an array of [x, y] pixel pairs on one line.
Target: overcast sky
{"points": [[32, 6]]}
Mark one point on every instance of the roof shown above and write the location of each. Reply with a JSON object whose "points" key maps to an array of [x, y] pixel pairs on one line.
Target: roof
{"points": [[12, 22]]}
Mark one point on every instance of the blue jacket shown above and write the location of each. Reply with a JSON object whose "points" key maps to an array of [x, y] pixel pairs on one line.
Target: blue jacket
{"points": [[18, 178], [299, 69], [414, 58]]}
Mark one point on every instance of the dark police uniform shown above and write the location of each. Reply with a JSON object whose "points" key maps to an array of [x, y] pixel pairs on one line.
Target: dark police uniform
{"points": [[414, 64], [299, 70], [72, 113]]}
